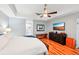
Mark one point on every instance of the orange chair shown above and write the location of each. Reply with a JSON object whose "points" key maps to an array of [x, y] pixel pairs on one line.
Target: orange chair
{"points": [[70, 42]]}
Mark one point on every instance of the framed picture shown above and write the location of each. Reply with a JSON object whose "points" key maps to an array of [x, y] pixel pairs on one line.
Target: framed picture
{"points": [[59, 26], [40, 27]]}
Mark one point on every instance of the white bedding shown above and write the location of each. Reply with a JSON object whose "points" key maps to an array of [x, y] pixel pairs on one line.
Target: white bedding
{"points": [[22, 45]]}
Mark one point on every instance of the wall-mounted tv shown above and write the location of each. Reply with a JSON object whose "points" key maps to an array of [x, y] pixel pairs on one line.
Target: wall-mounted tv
{"points": [[59, 26]]}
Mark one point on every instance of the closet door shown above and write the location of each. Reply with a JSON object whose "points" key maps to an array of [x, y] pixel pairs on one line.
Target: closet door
{"points": [[77, 33]]}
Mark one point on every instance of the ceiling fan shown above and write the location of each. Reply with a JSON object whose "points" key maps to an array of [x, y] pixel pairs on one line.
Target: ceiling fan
{"points": [[46, 13]]}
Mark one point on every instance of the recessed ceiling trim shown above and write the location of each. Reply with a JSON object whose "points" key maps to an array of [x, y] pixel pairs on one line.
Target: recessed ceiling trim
{"points": [[13, 8]]}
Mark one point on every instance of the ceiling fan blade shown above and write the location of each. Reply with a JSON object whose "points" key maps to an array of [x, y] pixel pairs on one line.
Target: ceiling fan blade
{"points": [[49, 16], [38, 13], [41, 16], [53, 12]]}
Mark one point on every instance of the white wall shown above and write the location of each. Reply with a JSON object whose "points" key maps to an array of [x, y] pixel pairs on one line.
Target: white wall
{"points": [[3, 21], [70, 24], [35, 22], [18, 26], [77, 33]]}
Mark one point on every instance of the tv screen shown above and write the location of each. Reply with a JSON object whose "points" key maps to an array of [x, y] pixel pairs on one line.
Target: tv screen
{"points": [[59, 26]]}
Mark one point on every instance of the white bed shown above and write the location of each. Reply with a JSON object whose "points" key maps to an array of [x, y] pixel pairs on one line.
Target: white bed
{"points": [[11, 45]]}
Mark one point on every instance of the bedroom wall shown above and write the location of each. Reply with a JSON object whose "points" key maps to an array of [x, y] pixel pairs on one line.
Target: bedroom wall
{"points": [[3, 21], [70, 24], [35, 22], [17, 25], [77, 33]]}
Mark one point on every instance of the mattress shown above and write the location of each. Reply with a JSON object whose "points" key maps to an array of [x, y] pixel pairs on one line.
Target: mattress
{"points": [[23, 45]]}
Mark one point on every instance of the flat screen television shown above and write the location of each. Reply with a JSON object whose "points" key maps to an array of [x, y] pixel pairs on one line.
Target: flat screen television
{"points": [[59, 26]]}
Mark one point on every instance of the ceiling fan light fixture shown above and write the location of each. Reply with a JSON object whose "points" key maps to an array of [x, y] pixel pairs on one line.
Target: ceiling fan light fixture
{"points": [[45, 15]]}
